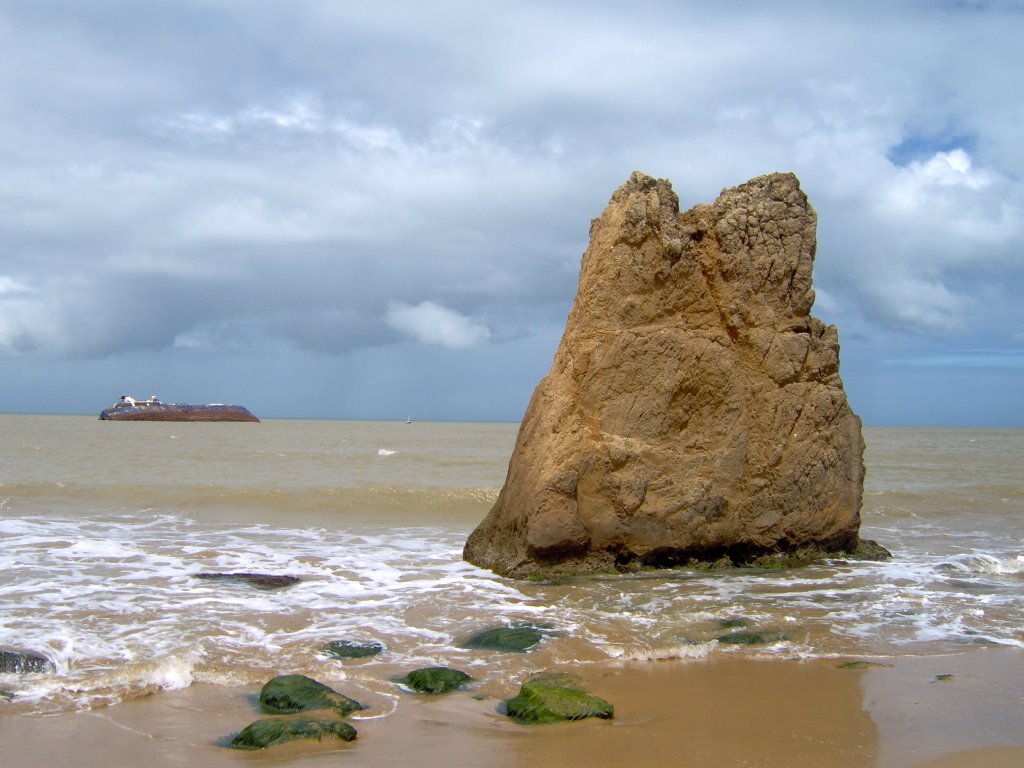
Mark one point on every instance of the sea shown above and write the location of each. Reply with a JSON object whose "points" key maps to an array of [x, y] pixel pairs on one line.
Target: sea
{"points": [[104, 527]]}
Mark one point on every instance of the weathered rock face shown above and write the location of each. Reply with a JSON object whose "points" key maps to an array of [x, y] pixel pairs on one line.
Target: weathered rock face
{"points": [[694, 408]]}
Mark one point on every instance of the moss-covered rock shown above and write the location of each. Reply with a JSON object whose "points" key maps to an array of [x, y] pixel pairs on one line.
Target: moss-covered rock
{"points": [[732, 623], [860, 665], [546, 699], [266, 733], [436, 680], [288, 694], [750, 638], [351, 649], [869, 549], [516, 638], [866, 549], [21, 662]]}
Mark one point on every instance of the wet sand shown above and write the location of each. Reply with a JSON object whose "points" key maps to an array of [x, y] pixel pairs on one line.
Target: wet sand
{"points": [[726, 712]]}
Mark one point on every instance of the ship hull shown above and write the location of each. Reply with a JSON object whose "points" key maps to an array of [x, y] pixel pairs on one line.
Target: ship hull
{"points": [[176, 412]]}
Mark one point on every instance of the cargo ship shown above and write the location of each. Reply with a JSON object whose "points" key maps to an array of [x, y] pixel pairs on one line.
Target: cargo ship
{"points": [[130, 409]]}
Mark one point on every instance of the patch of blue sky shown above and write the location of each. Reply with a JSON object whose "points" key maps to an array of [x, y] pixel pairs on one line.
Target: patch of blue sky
{"points": [[977, 6], [971, 358], [917, 147]]}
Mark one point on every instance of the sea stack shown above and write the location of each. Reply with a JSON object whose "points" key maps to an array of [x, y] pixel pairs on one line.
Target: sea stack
{"points": [[694, 411]]}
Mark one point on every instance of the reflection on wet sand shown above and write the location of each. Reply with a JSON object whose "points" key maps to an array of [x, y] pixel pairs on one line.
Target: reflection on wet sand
{"points": [[727, 712]]}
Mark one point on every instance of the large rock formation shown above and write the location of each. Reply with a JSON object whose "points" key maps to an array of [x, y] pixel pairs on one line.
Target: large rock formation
{"points": [[694, 409]]}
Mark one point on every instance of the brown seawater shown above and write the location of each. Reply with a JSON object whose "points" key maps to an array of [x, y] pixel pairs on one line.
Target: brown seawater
{"points": [[104, 526]]}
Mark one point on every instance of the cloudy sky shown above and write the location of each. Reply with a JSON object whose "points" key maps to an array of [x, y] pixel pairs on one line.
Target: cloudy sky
{"points": [[377, 209]]}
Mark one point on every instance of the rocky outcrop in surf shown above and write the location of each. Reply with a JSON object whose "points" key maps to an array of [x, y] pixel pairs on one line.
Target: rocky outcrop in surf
{"points": [[436, 680], [23, 662], [264, 581], [694, 410], [554, 698]]}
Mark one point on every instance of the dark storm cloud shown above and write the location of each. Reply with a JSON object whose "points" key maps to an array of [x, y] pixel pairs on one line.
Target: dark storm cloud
{"points": [[342, 184]]}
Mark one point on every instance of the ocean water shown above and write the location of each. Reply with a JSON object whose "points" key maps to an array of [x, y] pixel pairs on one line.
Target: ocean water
{"points": [[104, 526]]}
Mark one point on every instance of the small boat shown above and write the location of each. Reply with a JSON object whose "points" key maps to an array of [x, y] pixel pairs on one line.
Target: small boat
{"points": [[127, 408]]}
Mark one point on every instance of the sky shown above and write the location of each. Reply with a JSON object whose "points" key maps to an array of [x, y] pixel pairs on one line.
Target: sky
{"points": [[324, 209]]}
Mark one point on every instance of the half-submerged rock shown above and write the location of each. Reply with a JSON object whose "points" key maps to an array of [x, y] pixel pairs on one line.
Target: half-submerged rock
{"points": [[23, 662], [268, 733], [694, 410], [352, 649], [436, 680], [515, 638], [265, 581], [288, 694], [554, 698]]}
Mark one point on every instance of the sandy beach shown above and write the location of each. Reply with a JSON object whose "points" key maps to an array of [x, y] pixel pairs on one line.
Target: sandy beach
{"points": [[769, 713]]}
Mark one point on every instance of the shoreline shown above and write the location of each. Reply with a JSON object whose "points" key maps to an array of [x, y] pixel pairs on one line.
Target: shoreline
{"points": [[900, 712]]}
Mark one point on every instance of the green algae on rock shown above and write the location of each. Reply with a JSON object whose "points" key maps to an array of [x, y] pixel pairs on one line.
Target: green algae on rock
{"points": [[732, 623], [351, 649], [266, 733], [545, 699], [869, 549], [518, 638], [288, 694], [436, 680], [751, 638]]}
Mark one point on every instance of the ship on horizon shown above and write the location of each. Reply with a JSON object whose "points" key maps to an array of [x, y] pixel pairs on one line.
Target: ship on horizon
{"points": [[127, 408]]}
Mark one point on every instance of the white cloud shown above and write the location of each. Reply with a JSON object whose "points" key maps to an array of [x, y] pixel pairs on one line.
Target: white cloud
{"points": [[922, 184], [431, 323], [20, 315], [947, 196], [299, 114], [10, 285], [370, 138], [26, 323], [920, 303], [825, 302], [202, 124]]}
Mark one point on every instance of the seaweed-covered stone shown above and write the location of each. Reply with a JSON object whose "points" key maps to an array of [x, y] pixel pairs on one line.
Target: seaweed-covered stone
{"points": [[350, 649], [266, 733], [860, 665], [288, 694], [751, 638], [6, 695], [732, 623], [869, 549], [554, 698], [515, 638], [21, 663], [854, 665], [264, 581], [436, 680]]}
